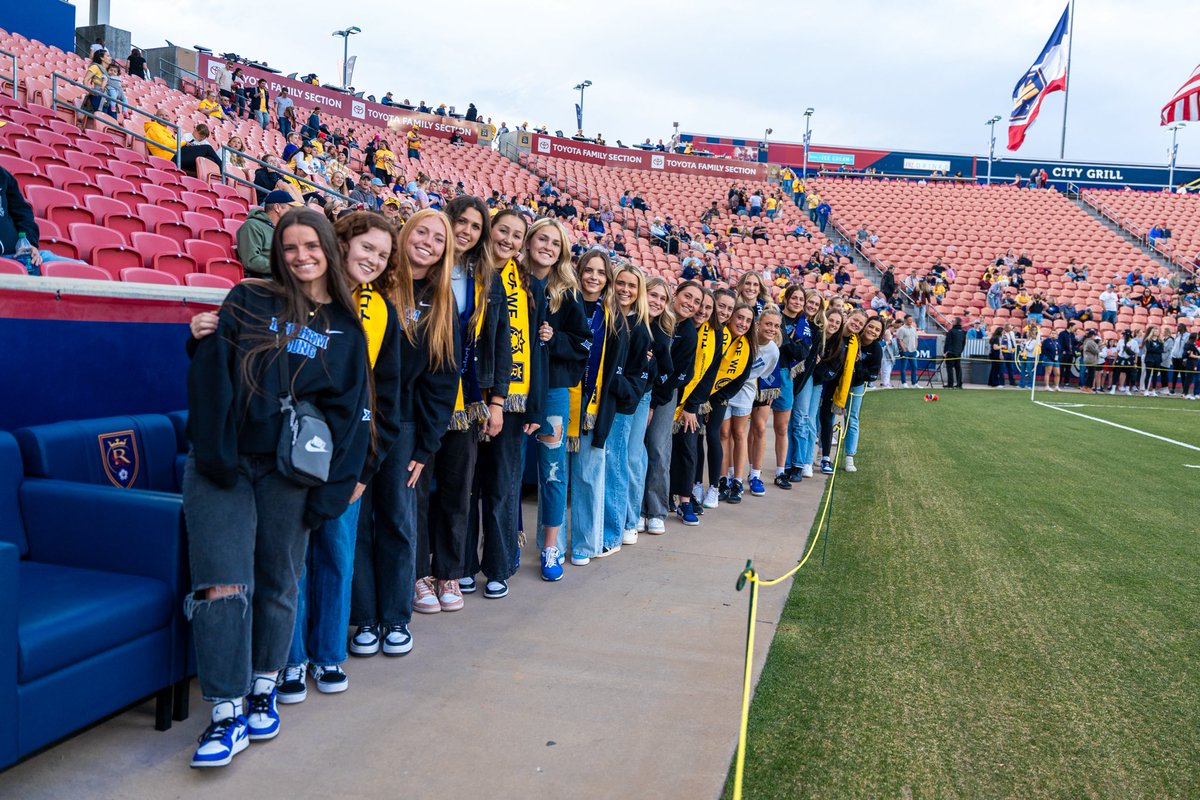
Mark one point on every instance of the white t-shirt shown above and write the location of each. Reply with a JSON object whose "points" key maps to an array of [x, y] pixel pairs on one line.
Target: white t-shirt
{"points": [[765, 359], [1109, 300]]}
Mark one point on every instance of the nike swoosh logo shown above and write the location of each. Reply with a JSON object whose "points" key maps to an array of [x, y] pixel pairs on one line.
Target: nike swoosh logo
{"points": [[316, 445]]}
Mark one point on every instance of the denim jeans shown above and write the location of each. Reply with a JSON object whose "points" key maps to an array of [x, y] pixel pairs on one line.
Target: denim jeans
{"points": [[251, 536], [285, 126], [993, 302], [886, 365], [852, 408], [587, 498], [1108, 316], [635, 463], [658, 462], [262, 118], [908, 363], [1027, 377], [552, 465], [385, 555], [616, 477], [498, 475], [323, 604], [919, 316], [802, 429]]}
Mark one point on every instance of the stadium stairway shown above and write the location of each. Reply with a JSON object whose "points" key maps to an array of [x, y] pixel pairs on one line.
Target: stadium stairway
{"points": [[1125, 230]]}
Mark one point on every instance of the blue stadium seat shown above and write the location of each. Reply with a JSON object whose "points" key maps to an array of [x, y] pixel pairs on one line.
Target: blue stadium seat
{"points": [[90, 611], [137, 452]]}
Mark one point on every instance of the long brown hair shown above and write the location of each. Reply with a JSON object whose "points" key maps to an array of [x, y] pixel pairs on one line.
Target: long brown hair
{"points": [[608, 297], [561, 282], [522, 273], [357, 223], [477, 260], [437, 325], [666, 320]]}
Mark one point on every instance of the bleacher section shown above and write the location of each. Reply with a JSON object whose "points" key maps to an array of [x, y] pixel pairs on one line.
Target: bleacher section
{"points": [[969, 225], [1138, 212]]}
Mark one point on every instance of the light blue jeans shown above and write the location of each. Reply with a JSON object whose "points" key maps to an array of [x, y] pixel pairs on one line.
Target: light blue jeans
{"points": [[587, 499], [323, 607], [616, 478], [552, 466], [636, 460], [852, 407], [802, 429]]}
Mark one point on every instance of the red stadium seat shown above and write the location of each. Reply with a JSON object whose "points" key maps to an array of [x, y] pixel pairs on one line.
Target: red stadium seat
{"points": [[42, 198], [152, 245], [205, 281], [112, 185], [124, 224], [200, 222], [142, 275], [203, 251], [226, 268], [154, 214], [100, 205], [64, 269], [112, 259], [175, 231], [87, 237], [10, 267], [176, 264]]}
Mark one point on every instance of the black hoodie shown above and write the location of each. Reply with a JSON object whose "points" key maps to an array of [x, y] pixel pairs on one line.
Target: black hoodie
{"points": [[426, 397], [16, 215]]}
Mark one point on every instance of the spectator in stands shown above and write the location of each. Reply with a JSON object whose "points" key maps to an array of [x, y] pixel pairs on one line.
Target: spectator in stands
{"points": [[17, 217], [1109, 301], [414, 144], [255, 234], [162, 139], [95, 78], [283, 105], [906, 339], [97, 44], [312, 126], [196, 146], [391, 212], [115, 92], [210, 107], [823, 211], [260, 104], [472, 113], [952, 350]]}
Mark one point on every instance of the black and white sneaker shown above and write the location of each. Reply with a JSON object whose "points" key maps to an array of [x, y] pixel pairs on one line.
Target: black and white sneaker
{"points": [[331, 680], [398, 641], [494, 590], [781, 480], [365, 641], [466, 584], [292, 686]]}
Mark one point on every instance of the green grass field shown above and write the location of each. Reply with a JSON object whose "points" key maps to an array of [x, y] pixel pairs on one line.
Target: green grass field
{"points": [[1009, 608]]}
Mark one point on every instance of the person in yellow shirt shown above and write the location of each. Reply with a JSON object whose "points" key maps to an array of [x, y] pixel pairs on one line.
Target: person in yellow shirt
{"points": [[772, 206], [414, 144], [687, 149], [1023, 298], [162, 139], [385, 163], [210, 106]]}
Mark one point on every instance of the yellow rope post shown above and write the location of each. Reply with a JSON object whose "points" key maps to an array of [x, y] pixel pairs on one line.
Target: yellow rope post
{"points": [[750, 575]]}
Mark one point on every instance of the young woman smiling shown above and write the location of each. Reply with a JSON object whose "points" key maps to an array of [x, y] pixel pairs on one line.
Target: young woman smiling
{"points": [[567, 336], [837, 337], [709, 448], [754, 402], [752, 291], [485, 359], [868, 355], [733, 392], [248, 525], [664, 403], [498, 469], [661, 376], [802, 430], [795, 342], [630, 389], [385, 555], [692, 396]]}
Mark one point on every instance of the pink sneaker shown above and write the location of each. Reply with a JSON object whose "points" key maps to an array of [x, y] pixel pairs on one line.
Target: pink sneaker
{"points": [[449, 596], [425, 601]]}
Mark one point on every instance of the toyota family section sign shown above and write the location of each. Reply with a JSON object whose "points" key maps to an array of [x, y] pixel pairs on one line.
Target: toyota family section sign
{"points": [[629, 158], [307, 96]]}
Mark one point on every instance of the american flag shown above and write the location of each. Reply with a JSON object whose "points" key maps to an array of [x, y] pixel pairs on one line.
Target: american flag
{"points": [[1185, 105]]}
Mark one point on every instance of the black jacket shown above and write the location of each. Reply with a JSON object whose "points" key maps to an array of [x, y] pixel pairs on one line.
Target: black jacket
{"points": [[662, 368], [387, 377], [866, 365], [683, 359], [265, 180], [793, 350], [426, 397], [633, 381], [703, 389], [732, 383], [16, 215], [887, 284], [493, 349], [616, 350], [568, 347], [956, 340], [226, 420], [810, 362]]}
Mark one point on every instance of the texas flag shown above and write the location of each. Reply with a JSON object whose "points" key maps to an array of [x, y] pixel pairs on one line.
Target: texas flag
{"points": [[1048, 74]]}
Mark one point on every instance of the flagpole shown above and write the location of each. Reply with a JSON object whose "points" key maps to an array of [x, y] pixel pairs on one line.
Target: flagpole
{"points": [[1062, 148]]}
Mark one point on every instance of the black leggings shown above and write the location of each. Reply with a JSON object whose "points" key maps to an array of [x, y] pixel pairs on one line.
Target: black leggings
{"points": [[710, 442], [683, 462], [825, 416]]}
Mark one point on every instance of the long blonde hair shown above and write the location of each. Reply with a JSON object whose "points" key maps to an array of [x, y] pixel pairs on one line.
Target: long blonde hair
{"points": [[608, 297], [561, 281], [666, 320], [439, 322], [641, 310]]}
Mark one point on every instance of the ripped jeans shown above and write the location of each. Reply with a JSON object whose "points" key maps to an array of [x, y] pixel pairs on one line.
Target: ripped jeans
{"points": [[253, 536], [553, 473]]}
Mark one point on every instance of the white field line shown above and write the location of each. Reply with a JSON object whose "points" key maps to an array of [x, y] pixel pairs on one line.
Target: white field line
{"points": [[1115, 425], [1146, 407]]}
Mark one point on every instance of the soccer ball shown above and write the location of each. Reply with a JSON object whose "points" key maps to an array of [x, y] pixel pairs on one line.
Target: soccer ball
{"points": [[931, 398]]}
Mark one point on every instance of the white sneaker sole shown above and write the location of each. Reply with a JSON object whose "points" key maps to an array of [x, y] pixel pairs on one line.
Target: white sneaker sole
{"points": [[433, 609], [609, 552], [628, 538], [580, 562], [291, 699], [401, 650], [333, 688], [238, 746], [360, 650]]}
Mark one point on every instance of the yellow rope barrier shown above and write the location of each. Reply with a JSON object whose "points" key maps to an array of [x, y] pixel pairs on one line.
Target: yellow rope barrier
{"points": [[751, 576]]}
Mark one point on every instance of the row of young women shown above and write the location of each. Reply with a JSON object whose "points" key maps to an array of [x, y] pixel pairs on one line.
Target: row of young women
{"points": [[433, 353]]}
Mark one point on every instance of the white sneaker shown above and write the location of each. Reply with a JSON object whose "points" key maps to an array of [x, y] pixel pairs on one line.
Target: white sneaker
{"points": [[580, 561], [656, 526], [849, 464], [629, 536], [698, 493], [807, 471], [711, 500], [641, 526]]}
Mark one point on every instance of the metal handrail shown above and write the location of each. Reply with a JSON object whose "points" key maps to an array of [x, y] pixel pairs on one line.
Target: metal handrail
{"points": [[880, 266], [179, 73], [56, 77], [226, 176], [13, 56]]}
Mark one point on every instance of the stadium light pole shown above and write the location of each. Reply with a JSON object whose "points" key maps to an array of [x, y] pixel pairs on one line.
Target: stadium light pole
{"points": [[766, 142], [808, 112], [991, 123], [346, 34], [1174, 129], [580, 87]]}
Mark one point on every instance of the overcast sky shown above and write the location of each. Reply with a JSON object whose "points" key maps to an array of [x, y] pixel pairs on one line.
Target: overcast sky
{"points": [[880, 74]]}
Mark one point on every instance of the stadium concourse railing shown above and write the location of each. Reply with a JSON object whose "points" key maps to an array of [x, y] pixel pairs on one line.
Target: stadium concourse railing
{"points": [[184, 79], [1160, 247], [15, 70], [55, 103], [116, 290]]}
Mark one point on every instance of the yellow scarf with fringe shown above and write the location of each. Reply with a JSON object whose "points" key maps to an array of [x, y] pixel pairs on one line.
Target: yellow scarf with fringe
{"points": [[733, 361], [842, 393], [706, 351], [373, 313], [463, 416], [521, 338], [583, 415]]}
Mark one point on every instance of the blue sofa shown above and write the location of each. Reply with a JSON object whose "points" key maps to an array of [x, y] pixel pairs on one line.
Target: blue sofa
{"points": [[90, 589]]}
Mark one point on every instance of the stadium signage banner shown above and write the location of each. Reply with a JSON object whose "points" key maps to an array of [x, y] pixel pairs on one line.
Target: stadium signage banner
{"points": [[602, 156], [305, 96]]}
